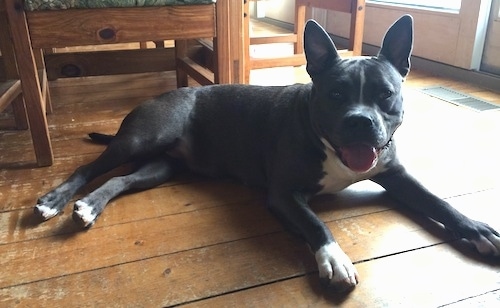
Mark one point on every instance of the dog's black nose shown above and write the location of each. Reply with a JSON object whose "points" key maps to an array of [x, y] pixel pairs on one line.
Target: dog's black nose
{"points": [[358, 122], [359, 128]]}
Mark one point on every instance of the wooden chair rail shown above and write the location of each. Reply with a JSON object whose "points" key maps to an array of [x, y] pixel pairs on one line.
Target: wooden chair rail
{"points": [[114, 25]]}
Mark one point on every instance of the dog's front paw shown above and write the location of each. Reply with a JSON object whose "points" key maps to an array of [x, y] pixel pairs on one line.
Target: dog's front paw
{"points": [[482, 236], [84, 214], [488, 245], [335, 268], [486, 240]]}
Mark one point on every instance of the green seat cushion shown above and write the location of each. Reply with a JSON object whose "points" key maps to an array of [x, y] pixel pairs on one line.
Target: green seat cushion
{"points": [[35, 5]]}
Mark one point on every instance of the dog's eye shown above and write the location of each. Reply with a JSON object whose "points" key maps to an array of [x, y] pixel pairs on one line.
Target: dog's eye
{"points": [[386, 94]]}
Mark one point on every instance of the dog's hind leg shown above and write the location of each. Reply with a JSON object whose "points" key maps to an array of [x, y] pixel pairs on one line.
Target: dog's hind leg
{"points": [[148, 175], [54, 201], [149, 130], [120, 151]]}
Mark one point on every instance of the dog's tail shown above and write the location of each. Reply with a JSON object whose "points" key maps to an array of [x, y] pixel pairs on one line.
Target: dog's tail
{"points": [[101, 138]]}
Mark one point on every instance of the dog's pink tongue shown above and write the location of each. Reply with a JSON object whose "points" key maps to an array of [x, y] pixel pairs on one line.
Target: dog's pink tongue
{"points": [[359, 157]]}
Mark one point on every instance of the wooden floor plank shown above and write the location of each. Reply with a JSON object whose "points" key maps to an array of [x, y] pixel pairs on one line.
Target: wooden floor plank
{"points": [[21, 225], [364, 238], [129, 242], [247, 212], [486, 300], [193, 273], [202, 273], [422, 278], [62, 167]]}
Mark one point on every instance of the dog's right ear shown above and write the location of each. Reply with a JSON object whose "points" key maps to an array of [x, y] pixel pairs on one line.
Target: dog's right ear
{"points": [[398, 44], [319, 48]]}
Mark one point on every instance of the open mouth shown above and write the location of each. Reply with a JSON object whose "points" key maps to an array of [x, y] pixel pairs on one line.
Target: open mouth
{"points": [[359, 157]]}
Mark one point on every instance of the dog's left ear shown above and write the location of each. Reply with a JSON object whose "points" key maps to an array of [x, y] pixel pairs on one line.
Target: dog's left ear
{"points": [[319, 48], [398, 43]]}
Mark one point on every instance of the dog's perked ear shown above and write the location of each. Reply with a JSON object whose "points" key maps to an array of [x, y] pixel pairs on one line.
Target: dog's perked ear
{"points": [[319, 48], [398, 43]]}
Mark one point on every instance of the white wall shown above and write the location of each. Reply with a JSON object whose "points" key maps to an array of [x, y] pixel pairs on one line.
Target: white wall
{"points": [[282, 10]]}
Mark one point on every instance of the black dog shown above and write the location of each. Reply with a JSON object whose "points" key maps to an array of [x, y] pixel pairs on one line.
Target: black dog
{"points": [[296, 141]]}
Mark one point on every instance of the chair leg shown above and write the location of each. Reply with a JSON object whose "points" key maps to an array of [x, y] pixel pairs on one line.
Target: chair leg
{"points": [[216, 59], [357, 27], [30, 85], [9, 61], [300, 17], [44, 84], [46, 97], [246, 42], [224, 46], [180, 53], [238, 46], [19, 111]]}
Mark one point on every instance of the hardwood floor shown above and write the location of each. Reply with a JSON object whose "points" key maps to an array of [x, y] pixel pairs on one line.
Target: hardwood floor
{"points": [[212, 243]]}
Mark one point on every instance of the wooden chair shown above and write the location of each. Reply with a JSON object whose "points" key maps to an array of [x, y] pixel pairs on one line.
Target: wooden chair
{"points": [[11, 91], [354, 7], [33, 31], [10, 86]]}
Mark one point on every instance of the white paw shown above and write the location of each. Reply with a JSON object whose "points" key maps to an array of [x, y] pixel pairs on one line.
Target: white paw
{"points": [[84, 213], [488, 245], [336, 267], [45, 211]]}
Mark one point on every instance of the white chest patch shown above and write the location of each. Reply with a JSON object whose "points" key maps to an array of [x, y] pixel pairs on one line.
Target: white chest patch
{"points": [[338, 176]]}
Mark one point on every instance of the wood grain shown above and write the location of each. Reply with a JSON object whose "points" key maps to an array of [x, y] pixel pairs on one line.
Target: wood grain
{"points": [[109, 63], [82, 26], [413, 279]]}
